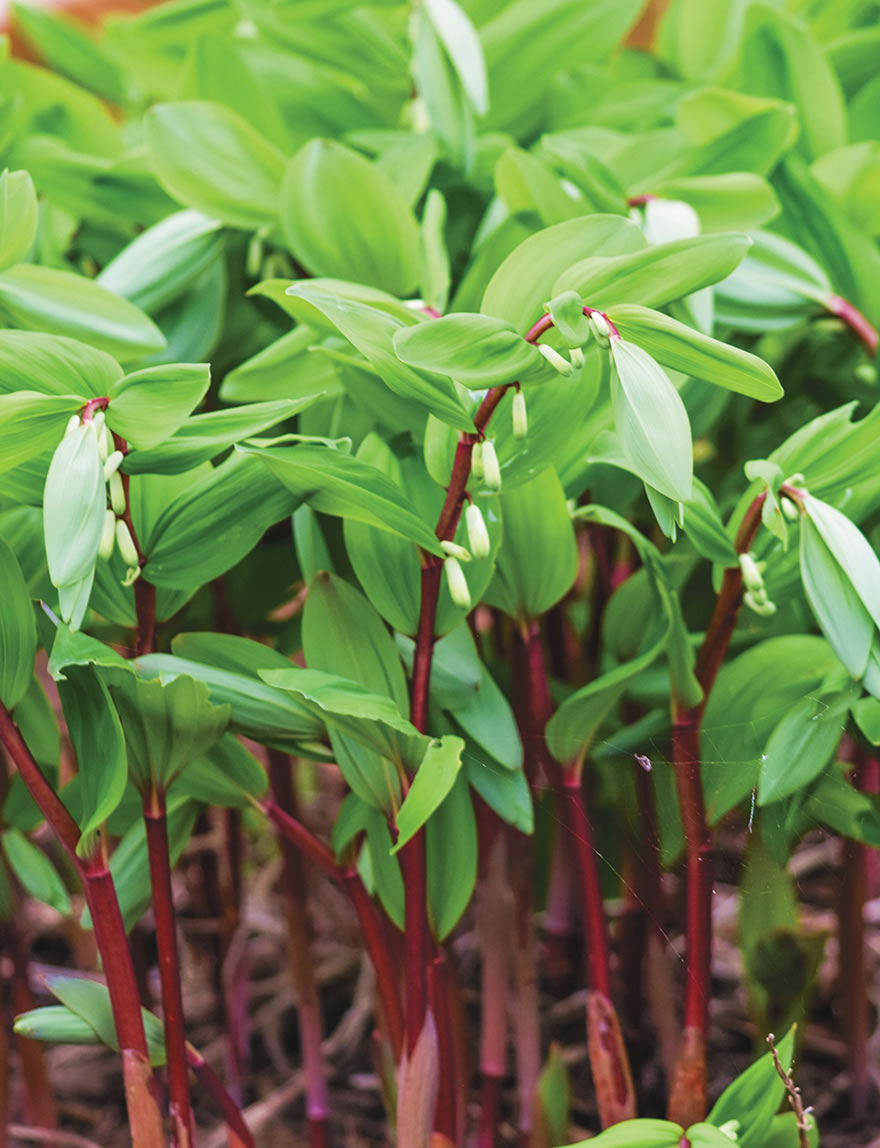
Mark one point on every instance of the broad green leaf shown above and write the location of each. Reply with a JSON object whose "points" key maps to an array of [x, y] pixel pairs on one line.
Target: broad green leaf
{"points": [[651, 421], [554, 1097], [459, 37], [163, 262], [18, 632], [783, 1131], [527, 185], [475, 350], [706, 1136], [450, 112], [851, 175], [851, 550], [335, 483], [637, 1134], [167, 724], [734, 201], [54, 365], [342, 216], [525, 280], [32, 423], [681, 348], [704, 527], [73, 648], [656, 276], [342, 633], [566, 309], [451, 846], [731, 132], [211, 526], [436, 275], [228, 775], [69, 50], [537, 561], [61, 303], [866, 714], [801, 746], [372, 331], [99, 745], [148, 406], [18, 217], [843, 617], [754, 1097], [283, 370], [434, 779], [258, 711], [506, 791], [35, 871], [90, 1001], [211, 159], [204, 436], [55, 1024]]}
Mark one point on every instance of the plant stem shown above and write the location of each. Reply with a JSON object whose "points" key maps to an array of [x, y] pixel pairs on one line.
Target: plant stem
{"points": [[687, 1102], [40, 1103], [144, 592], [375, 941], [239, 1133], [156, 823], [140, 1091], [855, 321], [493, 899], [526, 1018], [299, 944]]}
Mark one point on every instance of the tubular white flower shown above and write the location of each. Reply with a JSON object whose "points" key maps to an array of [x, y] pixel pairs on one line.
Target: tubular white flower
{"points": [[556, 361], [453, 550], [576, 355], [112, 463], [72, 424], [117, 493], [477, 462], [126, 544], [491, 469], [108, 536], [457, 583], [519, 415], [751, 574], [478, 535]]}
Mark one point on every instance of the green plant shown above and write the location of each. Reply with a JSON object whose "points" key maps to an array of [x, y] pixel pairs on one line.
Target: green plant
{"points": [[404, 393]]}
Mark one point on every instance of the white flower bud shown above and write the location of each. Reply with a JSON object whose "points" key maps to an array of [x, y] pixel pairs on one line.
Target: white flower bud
{"points": [[108, 536], [72, 424], [453, 550], [751, 573], [602, 329], [478, 535], [556, 361], [789, 509], [126, 544], [577, 357], [117, 492], [458, 587], [112, 464], [131, 575], [477, 462], [491, 469], [519, 415], [759, 603]]}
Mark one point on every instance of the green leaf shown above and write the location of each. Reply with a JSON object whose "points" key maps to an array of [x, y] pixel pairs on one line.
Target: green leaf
{"points": [[163, 262], [866, 714], [258, 711], [90, 1001], [651, 421], [783, 1132], [802, 745], [506, 791], [527, 185], [99, 745], [435, 277], [459, 37], [734, 201], [554, 1097], [55, 1024], [228, 776], [637, 1134], [754, 1097], [439, 86], [707, 1136], [434, 779], [704, 527], [451, 846], [204, 436], [537, 560], [475, 350], [343, 217], [32, 423], [167, 725], [681, 348], [210, 158], [335, 483], [54, 365], [18, 217], [148, 406], [842, 615], [35, 871], [372, 331], [211, 526], [852, 551], [656, 276], [527, 277], [61, 303], [18, 632]]}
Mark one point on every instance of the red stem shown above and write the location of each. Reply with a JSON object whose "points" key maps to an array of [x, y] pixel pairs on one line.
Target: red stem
{"points": [[375, 940], [856, 321], [39, 1100], [212, 1084], [100, 892], [494, 920], [580, 829], [527, 1018], [156, 824], [299, 944]]}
